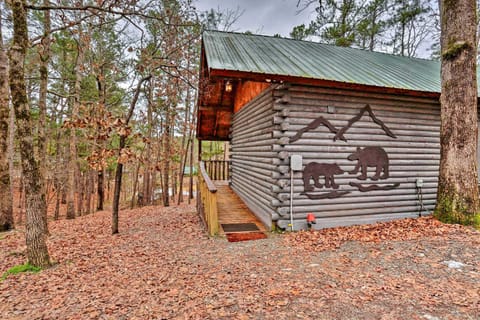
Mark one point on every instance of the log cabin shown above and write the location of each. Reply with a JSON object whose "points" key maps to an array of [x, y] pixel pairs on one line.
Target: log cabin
{"points": [[348, 135]]}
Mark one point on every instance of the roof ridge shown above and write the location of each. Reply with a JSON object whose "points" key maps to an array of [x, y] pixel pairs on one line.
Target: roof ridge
{"points": [[322, 44]]}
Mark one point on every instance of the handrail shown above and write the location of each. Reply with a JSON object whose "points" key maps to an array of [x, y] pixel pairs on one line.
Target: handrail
{"points": [[208, 201], [206, 178]]}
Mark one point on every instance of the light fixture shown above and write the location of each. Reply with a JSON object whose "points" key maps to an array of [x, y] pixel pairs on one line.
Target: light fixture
{"points": [[228, 86]]}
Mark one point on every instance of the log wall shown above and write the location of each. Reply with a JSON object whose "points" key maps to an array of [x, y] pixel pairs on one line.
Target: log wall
{"points": [[251, 156], [413, 153]]}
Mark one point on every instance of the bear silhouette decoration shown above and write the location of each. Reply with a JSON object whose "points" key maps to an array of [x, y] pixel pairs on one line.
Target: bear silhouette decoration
{"points": [[315, 170], [370, 157]]}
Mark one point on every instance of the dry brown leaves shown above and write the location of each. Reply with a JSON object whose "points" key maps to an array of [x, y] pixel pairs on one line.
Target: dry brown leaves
{"points": [[163, 266], [397, 230]]}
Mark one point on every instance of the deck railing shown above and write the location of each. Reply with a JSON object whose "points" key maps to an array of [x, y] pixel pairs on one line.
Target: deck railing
{"points": [[218, 169], [208, 200]]}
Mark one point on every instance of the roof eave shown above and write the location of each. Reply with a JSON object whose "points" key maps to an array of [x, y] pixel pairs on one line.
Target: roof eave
{"points": [[244, 75]]}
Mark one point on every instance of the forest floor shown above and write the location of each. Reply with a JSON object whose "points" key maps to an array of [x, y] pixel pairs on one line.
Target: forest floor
{"points": [[163, 266]]}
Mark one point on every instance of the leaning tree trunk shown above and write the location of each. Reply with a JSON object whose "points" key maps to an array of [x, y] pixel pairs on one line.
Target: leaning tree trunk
{"points": [[6, 206], [35, 234], [457, 197], [119, 169]]}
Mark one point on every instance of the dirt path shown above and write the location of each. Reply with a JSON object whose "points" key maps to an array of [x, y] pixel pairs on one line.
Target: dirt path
{"points": [[162, 266]]}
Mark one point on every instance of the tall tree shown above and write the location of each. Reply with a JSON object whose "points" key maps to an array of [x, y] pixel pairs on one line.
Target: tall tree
{"points": [[37, 251], [301, 32], [412, 23], [457, 197], [219, 19], [75, 101], [373, 24], [44, 55], [6, 207], [336, 21]]}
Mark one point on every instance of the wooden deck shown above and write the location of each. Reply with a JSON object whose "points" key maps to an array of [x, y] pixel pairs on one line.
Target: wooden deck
{"points": [[231, 209]]}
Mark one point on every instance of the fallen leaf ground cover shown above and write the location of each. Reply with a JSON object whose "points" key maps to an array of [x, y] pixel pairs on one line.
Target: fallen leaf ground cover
{"points": [[163, 266]]}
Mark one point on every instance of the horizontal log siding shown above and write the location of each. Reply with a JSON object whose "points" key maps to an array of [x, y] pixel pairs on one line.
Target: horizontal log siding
{"points": [[413, 154], [251, 155]]}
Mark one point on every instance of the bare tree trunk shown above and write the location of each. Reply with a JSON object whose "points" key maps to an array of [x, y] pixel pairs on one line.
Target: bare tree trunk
{"points": [[80, 193], [181, 174], [457, 197], [101, 171], [147, 194], [184, 149], [166, 162], [88, 191], [56, 212], [11, 150], [71, 173], [6, 195], [35, 234], [57, 182], [44, 54], [190, 187], [100, 189], [134, 193], [108, 186], [75, 105], [117, 189], [192, 147]]}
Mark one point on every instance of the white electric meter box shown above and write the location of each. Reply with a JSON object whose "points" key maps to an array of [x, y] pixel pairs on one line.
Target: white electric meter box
{"points": [[296, 162], [419, 183]]}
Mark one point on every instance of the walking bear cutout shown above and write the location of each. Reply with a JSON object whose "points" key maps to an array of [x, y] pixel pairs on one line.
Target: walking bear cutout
{"points": [[367, 157], [315, 170]]}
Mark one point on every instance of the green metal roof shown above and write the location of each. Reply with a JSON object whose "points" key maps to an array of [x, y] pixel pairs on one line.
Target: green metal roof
{"points": [[287, 57]]}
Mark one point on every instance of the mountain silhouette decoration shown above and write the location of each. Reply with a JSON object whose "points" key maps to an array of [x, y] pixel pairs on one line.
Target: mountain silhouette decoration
{"points": [[339, 134], [314, 125], [367, 108]]}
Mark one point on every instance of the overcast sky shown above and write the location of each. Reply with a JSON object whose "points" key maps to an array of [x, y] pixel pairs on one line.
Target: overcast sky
{"points": [[266, 17]]}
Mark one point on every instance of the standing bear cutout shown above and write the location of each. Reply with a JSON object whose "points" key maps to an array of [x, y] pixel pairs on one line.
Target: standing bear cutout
{"points": [[367, 157]]}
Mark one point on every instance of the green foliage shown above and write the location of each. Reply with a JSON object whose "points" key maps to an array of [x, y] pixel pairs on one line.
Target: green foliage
{"points": [[19, 269], [455, 49], [211, 149], [336, 20], [452, 209], [218, 19], [301, 32], [372, 25]]}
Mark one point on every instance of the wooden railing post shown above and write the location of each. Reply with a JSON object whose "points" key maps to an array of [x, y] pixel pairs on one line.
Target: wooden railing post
{"points": [[208, 196], [218, 169]]}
